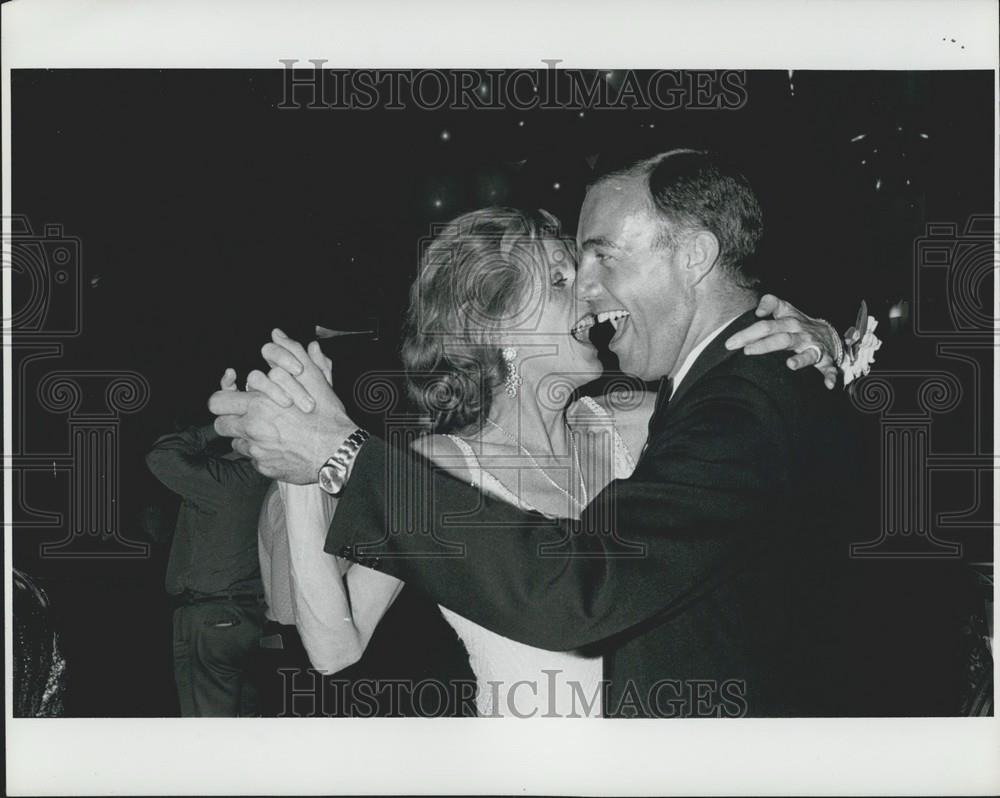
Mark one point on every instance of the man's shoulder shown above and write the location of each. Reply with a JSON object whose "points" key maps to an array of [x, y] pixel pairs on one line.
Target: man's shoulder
{"points": [[768, 374], [734, 377], [772, 391], [796, 402]]}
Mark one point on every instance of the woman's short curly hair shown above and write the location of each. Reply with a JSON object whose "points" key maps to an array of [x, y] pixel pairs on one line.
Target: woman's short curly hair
{"points": [[474, 278]]}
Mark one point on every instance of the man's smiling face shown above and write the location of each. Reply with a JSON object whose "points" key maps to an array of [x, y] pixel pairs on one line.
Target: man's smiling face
{"points": [[629, 276]]}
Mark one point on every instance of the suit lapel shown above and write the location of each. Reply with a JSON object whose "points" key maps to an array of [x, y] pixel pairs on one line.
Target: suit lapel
{"points": [[714, 354]]}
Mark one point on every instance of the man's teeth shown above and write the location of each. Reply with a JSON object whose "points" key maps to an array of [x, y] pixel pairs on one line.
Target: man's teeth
{"points": [[581, 330], [612, 317]]}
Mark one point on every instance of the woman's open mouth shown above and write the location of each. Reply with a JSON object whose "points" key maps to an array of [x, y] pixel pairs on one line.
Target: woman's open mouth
{"points": [[601, 328]]}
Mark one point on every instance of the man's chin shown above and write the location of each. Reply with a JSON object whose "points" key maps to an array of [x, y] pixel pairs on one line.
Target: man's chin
{"points": [[633, 366], [624, 361]]}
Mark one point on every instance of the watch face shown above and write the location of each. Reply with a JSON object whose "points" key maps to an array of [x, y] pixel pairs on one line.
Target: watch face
{"points": [[329, 479]]}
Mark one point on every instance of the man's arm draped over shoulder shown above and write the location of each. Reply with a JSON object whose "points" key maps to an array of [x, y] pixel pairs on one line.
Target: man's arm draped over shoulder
{"points": [[708, 494]]}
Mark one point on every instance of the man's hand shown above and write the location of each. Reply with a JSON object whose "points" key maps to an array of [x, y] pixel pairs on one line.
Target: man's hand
{"points": [[270, 428], [814, 340]]}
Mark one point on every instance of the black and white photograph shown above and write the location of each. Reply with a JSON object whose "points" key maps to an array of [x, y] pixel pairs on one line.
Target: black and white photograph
{"points": [[418, 391]]}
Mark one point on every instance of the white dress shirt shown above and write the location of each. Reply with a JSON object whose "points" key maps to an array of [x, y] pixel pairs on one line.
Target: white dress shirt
{"points": [[692, 356]]}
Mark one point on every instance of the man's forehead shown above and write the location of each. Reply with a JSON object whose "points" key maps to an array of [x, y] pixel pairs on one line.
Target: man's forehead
{"points": [[614, 209]]}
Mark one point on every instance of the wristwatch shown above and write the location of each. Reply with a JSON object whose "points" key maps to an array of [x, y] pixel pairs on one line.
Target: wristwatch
{"points": [[333, 473]]}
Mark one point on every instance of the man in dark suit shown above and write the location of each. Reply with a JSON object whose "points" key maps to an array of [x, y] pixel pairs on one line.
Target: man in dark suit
{"points": [[709, 578]]}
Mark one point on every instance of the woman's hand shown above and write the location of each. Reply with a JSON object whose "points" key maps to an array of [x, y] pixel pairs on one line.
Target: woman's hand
{"points": [[228, 381], [298, 376], [814, 341]]}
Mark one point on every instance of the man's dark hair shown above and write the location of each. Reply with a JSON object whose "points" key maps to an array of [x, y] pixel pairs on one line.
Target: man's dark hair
{"points": [[697, 190]]}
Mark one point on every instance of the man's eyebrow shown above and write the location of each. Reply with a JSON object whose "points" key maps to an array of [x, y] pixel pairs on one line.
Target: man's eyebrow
{"points": [[599, 241]]}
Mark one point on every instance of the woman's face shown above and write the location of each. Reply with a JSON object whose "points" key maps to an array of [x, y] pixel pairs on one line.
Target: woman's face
{"points": [[550, 360]]}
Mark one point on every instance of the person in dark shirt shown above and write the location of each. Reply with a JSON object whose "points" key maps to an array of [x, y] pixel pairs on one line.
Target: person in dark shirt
{"points": [[213, 572]]}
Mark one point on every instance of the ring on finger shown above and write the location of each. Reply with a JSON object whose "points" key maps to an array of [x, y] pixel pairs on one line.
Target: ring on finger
{"points": [[814, 348]]}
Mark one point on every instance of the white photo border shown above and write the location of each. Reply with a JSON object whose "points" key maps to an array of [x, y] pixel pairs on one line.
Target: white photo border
{"points": [[781, 757]]}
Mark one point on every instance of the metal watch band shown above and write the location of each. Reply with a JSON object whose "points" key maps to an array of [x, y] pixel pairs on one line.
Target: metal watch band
{"points": [[349, 449], [342, 459]]}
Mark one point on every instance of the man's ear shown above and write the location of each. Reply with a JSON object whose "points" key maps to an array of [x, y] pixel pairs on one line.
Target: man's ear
{"points": [[703, 253]]}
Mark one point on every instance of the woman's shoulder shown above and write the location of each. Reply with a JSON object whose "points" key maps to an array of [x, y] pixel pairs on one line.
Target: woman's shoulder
{"points": [[626, 413], [618, 407], [449, 452]]}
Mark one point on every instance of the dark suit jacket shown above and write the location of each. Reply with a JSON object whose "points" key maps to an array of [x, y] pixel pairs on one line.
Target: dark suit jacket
{"points": [[727, 606]]}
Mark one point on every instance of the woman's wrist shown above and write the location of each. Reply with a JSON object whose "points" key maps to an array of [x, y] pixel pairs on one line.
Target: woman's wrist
{"points": [[837, 348]]}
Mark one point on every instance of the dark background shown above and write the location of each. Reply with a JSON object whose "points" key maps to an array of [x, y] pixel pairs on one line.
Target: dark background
{"points": [[206, 216]]}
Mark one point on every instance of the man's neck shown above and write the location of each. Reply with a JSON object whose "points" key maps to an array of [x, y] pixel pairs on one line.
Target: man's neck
{"points": [[709, 317]]}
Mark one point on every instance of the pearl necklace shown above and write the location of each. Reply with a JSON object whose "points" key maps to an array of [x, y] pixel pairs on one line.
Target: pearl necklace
{"points": [[576, 457]]}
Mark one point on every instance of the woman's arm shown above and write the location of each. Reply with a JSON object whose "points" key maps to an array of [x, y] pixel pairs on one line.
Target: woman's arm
{"points": [[336, 606], [335, 613], [815, 341]]}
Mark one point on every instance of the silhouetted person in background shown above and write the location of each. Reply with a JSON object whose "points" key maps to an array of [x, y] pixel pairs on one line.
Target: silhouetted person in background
{"points": [[39, 667], [213, 571]]}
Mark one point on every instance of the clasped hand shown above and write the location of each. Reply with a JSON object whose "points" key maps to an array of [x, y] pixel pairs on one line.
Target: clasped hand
{"points": [[288, 421]]}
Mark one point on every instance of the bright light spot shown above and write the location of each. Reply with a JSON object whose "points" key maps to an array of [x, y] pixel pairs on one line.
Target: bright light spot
{"points": [[521, 123], [609, 75], [878, 184], [924, 136], [437, 203], [859, 137], [445, 135], [555, 186]]}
